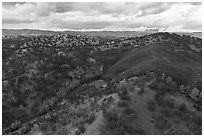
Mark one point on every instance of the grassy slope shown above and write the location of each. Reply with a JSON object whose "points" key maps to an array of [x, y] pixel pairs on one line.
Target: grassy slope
{"points": [[161, 59]]}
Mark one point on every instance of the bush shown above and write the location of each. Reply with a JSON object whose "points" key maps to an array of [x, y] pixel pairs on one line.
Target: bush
{"points": [[43, 127], [177, 113], [112, 125], [182, 115], [166, 112], [161, 123], [151, 105], [77, 132], [124, 91], [149, 76], [141, 91], [192, 126], [168, 103], [123, 127], [130, 113], [198, 120], [132, 130], [81, 128], [124, 96], [163, 103], [63, 122], [153, 85], [25, 130], [62, 131], [183, 108], [110, 115], [120, 125], [122, 104], [127, 98], [162, 88], [90, 119], [159, 99], [112, 119]]}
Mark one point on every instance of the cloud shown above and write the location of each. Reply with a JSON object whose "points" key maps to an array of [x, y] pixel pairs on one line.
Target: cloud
{"points": [[100, 15]]}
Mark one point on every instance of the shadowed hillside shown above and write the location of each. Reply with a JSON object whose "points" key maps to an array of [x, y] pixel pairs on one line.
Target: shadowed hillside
{"points": [[160, 58]]}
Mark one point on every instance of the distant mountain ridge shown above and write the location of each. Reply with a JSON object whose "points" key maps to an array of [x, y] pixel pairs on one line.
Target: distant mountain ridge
{"points": [[104, 34]]}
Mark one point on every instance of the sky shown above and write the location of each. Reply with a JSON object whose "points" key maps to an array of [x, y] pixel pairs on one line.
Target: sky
{"points": [[117, 16]]}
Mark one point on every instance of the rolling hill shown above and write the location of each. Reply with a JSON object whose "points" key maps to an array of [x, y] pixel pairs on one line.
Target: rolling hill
{"points": [[160, 58], [103, 34], [67, 84]]}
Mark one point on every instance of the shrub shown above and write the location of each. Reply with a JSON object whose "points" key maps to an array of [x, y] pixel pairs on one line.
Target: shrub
{"points": [[159, 99], [112, 125], [149, 76], [77, 132], [25, 130], [81, 128], [124, 90], [130, 113], [127, 98], [161, 123], [43, 127], [162, 88], [63, 122], [192, 126], [177, 113], [141, 91], [123, 96], [62, 131], [110, 115], [132, 130], [185, 116], [151, 105], [183, 108], [166, 112], [112, 119], [122, 104], [198, 120], [90, 119], [154, 85], [168, 103]]}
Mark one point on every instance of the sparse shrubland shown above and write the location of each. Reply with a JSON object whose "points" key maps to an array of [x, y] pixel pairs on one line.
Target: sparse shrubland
{"points": [[50, 84]]}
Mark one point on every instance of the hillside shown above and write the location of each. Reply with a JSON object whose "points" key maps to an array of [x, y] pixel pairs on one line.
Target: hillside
{"points": [[103, 34], [160, 58], [63, 84]]}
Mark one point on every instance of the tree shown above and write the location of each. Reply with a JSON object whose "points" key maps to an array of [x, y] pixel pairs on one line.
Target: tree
{"points": [[154, 85]]}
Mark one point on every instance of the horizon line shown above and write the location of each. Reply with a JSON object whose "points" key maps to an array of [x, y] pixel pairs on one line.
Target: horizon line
{"points": [[103, 30]]}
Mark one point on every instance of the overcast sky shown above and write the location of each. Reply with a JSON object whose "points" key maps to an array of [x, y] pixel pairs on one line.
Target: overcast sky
{"points": [[103, 16]]}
